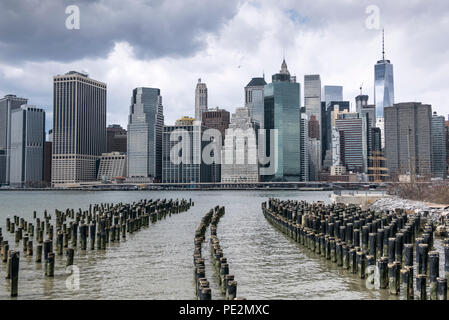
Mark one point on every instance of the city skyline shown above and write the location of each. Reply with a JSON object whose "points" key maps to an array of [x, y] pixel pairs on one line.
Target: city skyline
{"points": [[227, 69]]}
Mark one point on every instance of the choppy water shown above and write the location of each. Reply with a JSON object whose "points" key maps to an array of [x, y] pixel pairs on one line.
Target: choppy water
{"points": [[157, 263]]}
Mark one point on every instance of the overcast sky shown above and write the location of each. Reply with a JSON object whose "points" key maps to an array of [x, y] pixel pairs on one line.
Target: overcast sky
{"points": [[170, 44]]}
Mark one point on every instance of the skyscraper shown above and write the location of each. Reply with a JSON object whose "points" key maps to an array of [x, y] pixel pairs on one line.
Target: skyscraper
{"points": [[332, 93], [332, 111], [79, 127], [239, 160], [312, 103], [216, 118], [353, 130], [383, 89], [145, 127], [304, 146], [254, 99], [200, 99], [408, 148], [184, 140], [27, 146], [7, 105], [439, 168], [282, 113]]}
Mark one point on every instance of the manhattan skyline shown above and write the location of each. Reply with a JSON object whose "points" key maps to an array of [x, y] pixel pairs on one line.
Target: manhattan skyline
{"points": [[230, 44]]}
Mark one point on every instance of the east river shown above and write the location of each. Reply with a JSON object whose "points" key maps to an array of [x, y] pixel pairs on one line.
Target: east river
{"points": [[157, 263]]}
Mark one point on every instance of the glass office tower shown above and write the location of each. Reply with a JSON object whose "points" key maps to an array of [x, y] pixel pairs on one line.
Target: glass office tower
{"points": [[282, 112], [383, 86], [145, 126]]}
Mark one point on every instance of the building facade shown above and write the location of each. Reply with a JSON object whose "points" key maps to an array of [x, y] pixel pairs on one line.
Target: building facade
{"points": [[282, 113], [439, 167], [254, 100], [332, 93], [7, 105], [27, 147], [200, 99], [79, 127], [303, 147], [112, 165], [239, 159], [182, 160], [352, 128], [216, 118], [47, 162], [408, 149], [144, 142], [312, 103], [116, 139], [333, 108]]}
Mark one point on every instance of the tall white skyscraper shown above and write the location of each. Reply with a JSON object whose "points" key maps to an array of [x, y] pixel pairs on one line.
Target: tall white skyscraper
{"points": [[312, 103], [79, 127], [383, 89], [27, 146], [7, 105], [200, 99], [239, 159]]}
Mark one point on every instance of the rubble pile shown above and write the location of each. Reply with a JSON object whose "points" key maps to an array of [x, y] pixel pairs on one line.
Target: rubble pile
{"points": [[391, 203]]}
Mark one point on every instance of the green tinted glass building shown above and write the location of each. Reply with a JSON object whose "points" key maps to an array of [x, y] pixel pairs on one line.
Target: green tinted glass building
{"points": [[282, 112]]}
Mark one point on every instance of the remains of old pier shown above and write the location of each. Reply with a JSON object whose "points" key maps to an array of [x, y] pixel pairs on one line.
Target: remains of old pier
{"points": [[72, 231], [377, 246], [228, 286]]}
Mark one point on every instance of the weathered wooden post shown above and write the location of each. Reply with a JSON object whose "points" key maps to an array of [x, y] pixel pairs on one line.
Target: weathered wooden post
{"points": [[232, 290], [70, 252], [399, 246], [391, 249], [406, 284], [446, 261], [92, 236], [434, 273], [421, 287], [423, 252], [14, 272], [361, 264], [47, 249], [382, 264], [60, 242], [393, 278], [408, 254], [442, 288], [50, 265], [353, 260], [39, 253], [29, 251], [372, 244]]}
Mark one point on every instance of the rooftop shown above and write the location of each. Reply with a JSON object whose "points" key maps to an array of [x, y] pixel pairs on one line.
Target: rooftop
{"points": [[256, 82]]}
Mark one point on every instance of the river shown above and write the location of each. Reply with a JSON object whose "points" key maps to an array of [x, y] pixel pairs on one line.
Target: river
{"points": [[157, 263]]}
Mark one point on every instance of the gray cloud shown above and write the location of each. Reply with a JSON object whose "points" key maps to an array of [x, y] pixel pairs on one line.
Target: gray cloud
{"points": [[35, 30], [318, 36]]}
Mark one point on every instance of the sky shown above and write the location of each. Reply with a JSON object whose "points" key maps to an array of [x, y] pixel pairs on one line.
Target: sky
{"points": [[169, 44]]}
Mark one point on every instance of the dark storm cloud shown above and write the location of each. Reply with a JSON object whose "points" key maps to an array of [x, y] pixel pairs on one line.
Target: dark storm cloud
{"points": [[34, 30]]}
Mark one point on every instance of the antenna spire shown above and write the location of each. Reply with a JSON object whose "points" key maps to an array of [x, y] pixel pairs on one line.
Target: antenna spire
{"points": [[383, 44]]}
